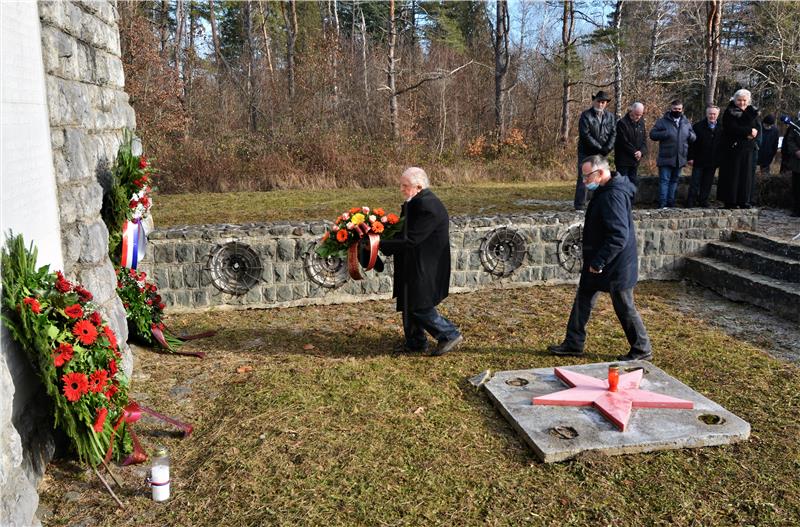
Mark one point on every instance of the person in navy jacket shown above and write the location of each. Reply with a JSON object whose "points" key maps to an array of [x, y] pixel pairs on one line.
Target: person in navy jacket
{"points": [[674, 133], [610, 262]]}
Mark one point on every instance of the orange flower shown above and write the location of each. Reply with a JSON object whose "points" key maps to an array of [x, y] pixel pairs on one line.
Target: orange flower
{"points": [[377, 227], [326, 236], [341, 235], [379, 212], [355, 209], [392, 218]]}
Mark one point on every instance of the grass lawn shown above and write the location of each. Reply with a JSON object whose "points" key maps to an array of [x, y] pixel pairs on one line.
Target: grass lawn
{"points": [[330, 428], [299, 205]]}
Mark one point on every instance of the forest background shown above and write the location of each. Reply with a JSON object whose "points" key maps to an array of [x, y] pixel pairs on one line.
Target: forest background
{"points": [[263, 95]]}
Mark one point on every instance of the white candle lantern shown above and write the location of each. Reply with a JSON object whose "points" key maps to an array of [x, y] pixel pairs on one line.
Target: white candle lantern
{"points": [[159, 475]]}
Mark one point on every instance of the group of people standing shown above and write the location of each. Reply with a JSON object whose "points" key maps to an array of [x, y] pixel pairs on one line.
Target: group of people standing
{"points": [[735, 146]]}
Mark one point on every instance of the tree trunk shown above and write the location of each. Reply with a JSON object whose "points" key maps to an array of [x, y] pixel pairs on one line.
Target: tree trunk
{"points": [[163, 23], [618, 58], [212, 18], [651, 54], [392, 75], [501, 59], [267, 40], [712, 46], [567, 27], [180, 20], [251, 67], [188, 62], [290, 21]]}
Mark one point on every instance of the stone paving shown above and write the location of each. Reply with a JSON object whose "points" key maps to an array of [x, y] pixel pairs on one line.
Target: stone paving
{"points": [[778, 223]]}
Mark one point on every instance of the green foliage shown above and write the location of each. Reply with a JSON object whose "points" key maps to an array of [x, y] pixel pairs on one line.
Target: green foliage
{"points": [[144, 308], [42, 312]]}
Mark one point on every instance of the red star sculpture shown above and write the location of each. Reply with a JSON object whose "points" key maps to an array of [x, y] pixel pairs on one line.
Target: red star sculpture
{"points": [[614, 405]]}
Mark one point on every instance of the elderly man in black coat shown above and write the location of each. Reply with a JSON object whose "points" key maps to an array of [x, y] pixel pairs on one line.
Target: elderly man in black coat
{"points": [[610, 262], [704, 158], [422, 266], [631, 143]]}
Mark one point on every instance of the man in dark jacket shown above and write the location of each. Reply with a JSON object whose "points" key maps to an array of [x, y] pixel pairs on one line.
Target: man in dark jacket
{"points": [[631, 143], [422, 266], [769, 144], [610, 262], [790, 150], [597, 130], [704, 158], [673, 133]]}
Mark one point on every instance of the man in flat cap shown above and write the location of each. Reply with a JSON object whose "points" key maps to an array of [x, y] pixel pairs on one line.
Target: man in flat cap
{"points": [[597, 131]]}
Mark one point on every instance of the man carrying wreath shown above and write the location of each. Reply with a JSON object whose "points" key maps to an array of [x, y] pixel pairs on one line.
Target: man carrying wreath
{"points": [[422, 266]]}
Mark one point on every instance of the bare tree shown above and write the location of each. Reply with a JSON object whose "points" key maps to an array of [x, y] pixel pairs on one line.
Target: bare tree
{"points": [[501, 60], [711, 48], [391, 73], [567, 43], [252, 111], [617, 46], [290, 23]]}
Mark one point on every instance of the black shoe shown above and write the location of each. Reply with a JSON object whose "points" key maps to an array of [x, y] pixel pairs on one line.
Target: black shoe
{"points": [[563, 351], [403, 348], [446, 346], [638, 355]]}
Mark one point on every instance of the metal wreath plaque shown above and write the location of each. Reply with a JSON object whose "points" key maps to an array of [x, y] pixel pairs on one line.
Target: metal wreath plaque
{"points": [[234, 268], [330, 272], [502, 251], [570, 248]]}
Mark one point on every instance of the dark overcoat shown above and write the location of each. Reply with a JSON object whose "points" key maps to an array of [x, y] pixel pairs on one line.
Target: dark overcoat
{"points": [[673, 140], [769, 145], [705, 149], [421, 253], [736, 155], [609, 238], [791, 145], [631, 137], [596, 135]]}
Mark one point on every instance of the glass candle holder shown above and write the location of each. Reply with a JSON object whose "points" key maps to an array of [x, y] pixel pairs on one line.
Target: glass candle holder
{"points": [[613, 378], [159, 474]]}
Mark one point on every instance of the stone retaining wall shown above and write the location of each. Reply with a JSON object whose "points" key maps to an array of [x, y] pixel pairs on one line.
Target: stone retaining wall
{"points": [[178, 258]]}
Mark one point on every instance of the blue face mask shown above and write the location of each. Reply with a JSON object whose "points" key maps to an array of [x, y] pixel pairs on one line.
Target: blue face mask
{"points": [[593, 185]]}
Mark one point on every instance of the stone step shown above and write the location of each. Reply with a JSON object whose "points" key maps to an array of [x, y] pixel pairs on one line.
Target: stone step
{"points": [[766, 244], [755, 260], [778, 296]]}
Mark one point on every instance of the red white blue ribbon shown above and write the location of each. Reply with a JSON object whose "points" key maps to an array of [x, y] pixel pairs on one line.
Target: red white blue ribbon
{"points": [[134, 241]]}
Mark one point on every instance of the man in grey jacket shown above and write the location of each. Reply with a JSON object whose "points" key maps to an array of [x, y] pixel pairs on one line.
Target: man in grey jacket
{"points": [[674, 133], [597, 130]]}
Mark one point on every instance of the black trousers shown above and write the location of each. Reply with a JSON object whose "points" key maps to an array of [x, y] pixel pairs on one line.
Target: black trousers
{"points": [[627, 314], [700, 186], [796, 193]]}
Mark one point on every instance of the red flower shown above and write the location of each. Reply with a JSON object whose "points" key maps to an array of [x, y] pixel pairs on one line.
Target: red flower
{"points": [[98, 381], [142, 162], [111, 392], [75, 385], [162, 306], [85, 331], [73, 311], [112, 367], [84, 294], [96, 319], [61, 284], [62, 354], [145, 201], [100, 420], [341, 236], [392, 219], [132, 273], [133, 204], [112, 338], [33, 303]]}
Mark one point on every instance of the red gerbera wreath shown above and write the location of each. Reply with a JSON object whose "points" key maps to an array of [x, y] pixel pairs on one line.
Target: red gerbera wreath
{"points": [[98, 380], [63, 354], [74, 311]]}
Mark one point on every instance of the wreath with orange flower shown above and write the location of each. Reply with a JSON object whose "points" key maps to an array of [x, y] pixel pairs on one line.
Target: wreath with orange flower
{"points": [[352, 225]]}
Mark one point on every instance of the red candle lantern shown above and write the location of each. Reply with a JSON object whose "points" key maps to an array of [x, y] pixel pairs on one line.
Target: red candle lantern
{"points": [[613, 378]]}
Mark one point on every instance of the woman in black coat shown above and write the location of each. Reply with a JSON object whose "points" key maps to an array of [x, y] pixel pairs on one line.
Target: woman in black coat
{"points": [[736, 151]]}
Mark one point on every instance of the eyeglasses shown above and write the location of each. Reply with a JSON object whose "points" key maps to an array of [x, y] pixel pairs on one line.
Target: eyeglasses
{"points": [[587, 176]]}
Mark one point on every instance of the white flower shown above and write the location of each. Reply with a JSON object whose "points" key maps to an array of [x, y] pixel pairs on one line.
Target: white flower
{"points": [[384, 219], [372, 217], [365, 210], [349, 226], [346, 216], [335, 228]]}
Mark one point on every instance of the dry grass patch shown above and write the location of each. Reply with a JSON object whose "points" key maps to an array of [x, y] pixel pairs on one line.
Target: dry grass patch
{"points": [[300, 205], [345, 433]]}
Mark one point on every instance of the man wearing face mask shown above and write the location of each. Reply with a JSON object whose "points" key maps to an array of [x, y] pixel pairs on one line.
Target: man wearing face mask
{"points": [[704, 158], [597, 130], [673, 133], [610, 262]]}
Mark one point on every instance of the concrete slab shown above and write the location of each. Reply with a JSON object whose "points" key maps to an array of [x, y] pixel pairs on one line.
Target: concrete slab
{"points": [[557, 433]]}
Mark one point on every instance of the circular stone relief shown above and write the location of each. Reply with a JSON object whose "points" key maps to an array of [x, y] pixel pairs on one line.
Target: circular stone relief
{"points": [[234, 268], [502, 251], [330, 272], [570, 250]]}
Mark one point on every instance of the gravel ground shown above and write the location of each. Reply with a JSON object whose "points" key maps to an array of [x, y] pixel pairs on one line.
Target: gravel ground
{"points": [[777, 223]]}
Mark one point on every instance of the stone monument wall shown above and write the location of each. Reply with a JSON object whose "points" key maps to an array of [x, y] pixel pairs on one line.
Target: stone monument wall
{"points": [[74, 62], [184, 265]]}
